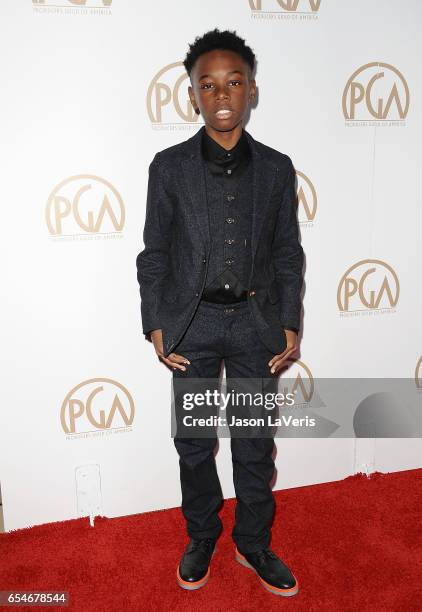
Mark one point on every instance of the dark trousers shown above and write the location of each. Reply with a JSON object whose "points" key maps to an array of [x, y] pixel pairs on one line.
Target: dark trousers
{"points": [[226, 332]]}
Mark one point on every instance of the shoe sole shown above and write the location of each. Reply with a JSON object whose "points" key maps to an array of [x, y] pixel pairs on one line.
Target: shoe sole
{"points": [[272, 589], [193, 586]]}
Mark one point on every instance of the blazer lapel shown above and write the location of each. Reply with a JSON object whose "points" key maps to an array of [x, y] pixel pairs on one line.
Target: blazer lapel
{"points": [[193, 172], [263, 176]]}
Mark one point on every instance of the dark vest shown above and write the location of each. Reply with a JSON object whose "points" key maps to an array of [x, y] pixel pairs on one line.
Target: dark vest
{"points": [[230, 218]]}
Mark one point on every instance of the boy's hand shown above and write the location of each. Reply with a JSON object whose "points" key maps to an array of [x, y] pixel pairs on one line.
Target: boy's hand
{"points": [[173, 360], [278, 360]]}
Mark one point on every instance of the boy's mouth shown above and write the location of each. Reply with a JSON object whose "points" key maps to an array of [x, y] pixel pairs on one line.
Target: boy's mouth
{"points": [[224, 113]]}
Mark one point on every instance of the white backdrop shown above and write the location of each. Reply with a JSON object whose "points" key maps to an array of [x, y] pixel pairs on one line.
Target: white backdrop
{"points": [[90, 91]]}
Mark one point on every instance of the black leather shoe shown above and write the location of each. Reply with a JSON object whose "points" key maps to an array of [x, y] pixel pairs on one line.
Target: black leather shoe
{"points": [[193, 570], [273, 574]]}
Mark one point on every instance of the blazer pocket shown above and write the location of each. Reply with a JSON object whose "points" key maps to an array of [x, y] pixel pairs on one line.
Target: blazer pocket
{"points": [[169, 298], [273, 294], [172, 295]]}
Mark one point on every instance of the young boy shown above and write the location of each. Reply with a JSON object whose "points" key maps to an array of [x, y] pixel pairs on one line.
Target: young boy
{"points": [[220, 279]]}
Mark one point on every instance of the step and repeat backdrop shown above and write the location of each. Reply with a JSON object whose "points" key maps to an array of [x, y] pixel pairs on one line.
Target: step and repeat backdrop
{"points": [[91, 90]]}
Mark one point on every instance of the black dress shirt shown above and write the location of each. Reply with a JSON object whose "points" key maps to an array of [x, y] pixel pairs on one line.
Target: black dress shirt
{"points": [[230, 162]]}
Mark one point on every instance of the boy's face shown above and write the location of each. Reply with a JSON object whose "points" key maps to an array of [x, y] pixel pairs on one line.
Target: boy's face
{"points": [[222, 89]]}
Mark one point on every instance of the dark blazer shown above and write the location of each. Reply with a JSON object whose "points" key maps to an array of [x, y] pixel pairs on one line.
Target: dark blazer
{"points": [[171, 269]]}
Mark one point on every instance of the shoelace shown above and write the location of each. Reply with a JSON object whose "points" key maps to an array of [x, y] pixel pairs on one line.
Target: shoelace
{"points": [[263, 554], [204, 545]]}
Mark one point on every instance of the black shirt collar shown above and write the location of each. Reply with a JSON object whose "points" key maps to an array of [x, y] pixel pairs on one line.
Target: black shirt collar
{"points": [[214, 152]]}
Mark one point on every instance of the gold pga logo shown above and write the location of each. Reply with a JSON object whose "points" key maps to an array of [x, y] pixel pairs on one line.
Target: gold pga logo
{"points": [[301, 382], [84, 203], [290, 6], [369, 285], [376, 91], [306, 199], [97, 404], [168, 102]]}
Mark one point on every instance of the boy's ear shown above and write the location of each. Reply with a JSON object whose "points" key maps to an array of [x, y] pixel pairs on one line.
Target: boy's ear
{"points": [[253, 89], [192, 100]]}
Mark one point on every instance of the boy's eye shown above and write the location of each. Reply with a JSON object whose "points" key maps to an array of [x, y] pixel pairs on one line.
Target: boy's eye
{"points": [[209, 85]]}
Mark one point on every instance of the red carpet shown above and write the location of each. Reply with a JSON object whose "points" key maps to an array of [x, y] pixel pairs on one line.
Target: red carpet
{"points": [[353, 545]]}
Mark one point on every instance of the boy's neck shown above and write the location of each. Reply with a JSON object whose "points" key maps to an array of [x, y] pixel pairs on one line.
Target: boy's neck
{"points": [[226, 139]]}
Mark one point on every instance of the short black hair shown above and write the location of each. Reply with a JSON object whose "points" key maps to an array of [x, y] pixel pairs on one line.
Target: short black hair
{"points": [[226, 40]]}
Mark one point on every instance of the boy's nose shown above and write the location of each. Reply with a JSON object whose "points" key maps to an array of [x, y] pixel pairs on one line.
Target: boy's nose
{"points": [[222, 93]]}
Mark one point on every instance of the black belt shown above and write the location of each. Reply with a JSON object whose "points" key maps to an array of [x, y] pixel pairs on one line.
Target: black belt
{"points": [[242, 298]]}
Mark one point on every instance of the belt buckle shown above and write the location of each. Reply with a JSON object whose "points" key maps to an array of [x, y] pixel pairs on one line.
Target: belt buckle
{"points": [[229, 310]]}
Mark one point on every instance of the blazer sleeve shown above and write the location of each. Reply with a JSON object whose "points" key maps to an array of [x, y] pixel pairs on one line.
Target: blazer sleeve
{"points": [[152, 263], [287, 254]]}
